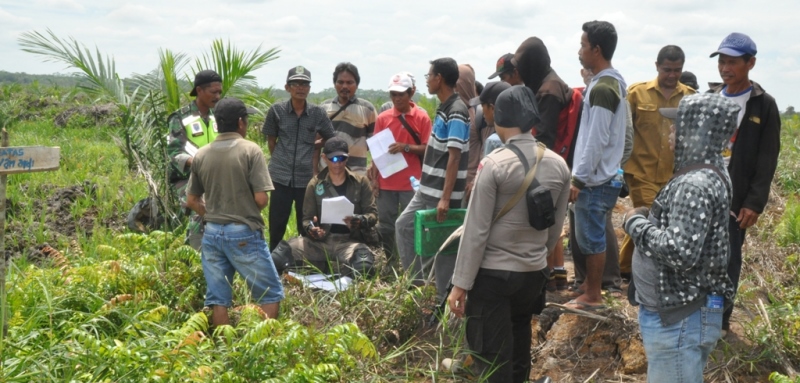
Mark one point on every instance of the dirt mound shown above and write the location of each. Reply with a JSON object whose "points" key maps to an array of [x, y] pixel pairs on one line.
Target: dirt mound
{"points": [[85, 116], [569, 347], [58, 219]]}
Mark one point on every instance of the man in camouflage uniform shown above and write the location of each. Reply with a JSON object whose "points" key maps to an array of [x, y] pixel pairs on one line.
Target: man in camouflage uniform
{"points": [[192, 127]]}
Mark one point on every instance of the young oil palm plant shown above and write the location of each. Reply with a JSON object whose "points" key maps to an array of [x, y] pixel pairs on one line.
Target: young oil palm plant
{"points": [[146, 100]]}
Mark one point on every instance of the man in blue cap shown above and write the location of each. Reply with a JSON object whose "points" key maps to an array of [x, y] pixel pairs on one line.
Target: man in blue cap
{"points": [[751, 156]]}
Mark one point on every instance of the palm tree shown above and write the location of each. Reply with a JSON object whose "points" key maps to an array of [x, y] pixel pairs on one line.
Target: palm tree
{"points": [[146, 100]]}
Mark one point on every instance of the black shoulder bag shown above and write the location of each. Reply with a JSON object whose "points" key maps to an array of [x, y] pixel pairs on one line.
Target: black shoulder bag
{"points": [[541, 209]]}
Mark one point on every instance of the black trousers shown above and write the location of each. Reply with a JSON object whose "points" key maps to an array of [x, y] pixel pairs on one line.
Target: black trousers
{"points": [[280, 209], [736, 240], [499, 310]]}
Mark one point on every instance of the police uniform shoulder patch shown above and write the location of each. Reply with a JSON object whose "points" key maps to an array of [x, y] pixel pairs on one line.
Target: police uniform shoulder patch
{"points": [[320, 189]]}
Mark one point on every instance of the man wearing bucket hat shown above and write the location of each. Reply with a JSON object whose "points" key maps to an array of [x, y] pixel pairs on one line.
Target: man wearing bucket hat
{"points": [[751, 155], [191, 128]]}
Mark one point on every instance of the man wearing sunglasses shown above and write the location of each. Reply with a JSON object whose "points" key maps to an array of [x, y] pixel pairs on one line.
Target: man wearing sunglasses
{"points": [[334, 248], [291, 129]]}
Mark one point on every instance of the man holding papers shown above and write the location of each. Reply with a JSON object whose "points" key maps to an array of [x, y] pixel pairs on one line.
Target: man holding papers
{"points": [[410, 128], [340, 248]]}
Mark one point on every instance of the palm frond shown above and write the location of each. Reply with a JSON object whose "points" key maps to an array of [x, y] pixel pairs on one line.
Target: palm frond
{"points": [[234, 66], [99, 72]]}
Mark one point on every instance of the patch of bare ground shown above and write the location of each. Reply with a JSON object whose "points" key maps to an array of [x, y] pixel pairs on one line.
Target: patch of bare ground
{"points": [[573, 348], [53, 218]]}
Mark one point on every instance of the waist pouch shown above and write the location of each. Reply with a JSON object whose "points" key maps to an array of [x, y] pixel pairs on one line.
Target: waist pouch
{"points": [[541, 209]]}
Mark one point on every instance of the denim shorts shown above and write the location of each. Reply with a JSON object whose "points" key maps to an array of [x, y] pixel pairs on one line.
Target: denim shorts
{"points": [[590, 216], [231, 248], [679, 352]]}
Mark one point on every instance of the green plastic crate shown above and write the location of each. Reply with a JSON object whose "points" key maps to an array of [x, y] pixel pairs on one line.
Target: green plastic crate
{"points": [[429, 234]]}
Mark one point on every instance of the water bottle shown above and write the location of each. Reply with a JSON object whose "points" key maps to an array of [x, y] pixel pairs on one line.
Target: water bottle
{"points": [[414, 183], [618, 179]]}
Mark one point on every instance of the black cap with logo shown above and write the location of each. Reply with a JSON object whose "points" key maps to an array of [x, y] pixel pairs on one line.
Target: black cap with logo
{"points": [[335, 146], [204, 77], [504, 64]]}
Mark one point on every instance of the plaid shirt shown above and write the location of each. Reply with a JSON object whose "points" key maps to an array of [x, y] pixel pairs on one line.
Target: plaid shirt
{"points": [[290, 163]]}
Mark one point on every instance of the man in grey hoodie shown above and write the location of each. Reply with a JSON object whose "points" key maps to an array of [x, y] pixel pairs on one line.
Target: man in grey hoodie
{"points": [[596, 179], [681, 256]]}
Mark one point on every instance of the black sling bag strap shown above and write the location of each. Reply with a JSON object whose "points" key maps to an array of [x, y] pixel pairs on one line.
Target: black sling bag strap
{"points": [[341, 109], [411, 131], [413, 134]]}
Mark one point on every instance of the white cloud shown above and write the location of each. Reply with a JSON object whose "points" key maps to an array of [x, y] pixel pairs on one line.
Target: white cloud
{"points": [[8, 19], [384, 38], [70, 5], [133, 13]]}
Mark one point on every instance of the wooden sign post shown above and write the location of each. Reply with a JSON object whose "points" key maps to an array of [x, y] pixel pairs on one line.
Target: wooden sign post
{"points": [[13, 160]]}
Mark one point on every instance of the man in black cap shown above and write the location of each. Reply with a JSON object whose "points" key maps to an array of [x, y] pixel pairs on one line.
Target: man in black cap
{"points": [[291, 128], [489, 138], [501, 267], [228, 188], [191, 128], [690, 80], [334, 248], [507, 70]]}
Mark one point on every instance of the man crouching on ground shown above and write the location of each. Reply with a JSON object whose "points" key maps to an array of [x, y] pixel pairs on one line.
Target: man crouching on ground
{"points": [[502, 261], [681, 256], [228, 187]]}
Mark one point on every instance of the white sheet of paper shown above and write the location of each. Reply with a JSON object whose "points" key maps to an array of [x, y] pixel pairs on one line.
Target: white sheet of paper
{"points": [[335, 209], [323, 282], [387, 164]]}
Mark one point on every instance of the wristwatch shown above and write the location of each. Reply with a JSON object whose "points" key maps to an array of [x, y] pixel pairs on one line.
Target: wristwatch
{"points": [[407, 148]]}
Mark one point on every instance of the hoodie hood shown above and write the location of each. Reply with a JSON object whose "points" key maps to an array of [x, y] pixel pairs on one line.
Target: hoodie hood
{"points": [[532, 62], [465, 86], [703, 128]]}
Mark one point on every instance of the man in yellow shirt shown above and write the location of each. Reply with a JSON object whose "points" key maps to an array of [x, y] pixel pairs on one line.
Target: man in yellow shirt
{"points": [[651, 162]]}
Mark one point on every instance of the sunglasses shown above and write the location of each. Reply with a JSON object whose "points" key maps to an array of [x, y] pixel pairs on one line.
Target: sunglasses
{"points": [[337, 159]]}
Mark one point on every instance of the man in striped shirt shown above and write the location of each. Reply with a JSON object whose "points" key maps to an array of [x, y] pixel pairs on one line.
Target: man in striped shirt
{"points": [[353, 118], [444, 173]]}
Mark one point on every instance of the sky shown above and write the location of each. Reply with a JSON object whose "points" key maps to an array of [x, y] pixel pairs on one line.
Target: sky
{"points": [[382, 38]]}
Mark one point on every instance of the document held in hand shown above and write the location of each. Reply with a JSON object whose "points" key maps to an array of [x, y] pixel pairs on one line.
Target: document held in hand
{"points": [[387, 164], [335, 209]]}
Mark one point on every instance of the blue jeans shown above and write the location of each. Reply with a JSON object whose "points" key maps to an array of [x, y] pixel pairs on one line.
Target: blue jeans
{"points": [[678, 353], [231, 248], [593, 203]]}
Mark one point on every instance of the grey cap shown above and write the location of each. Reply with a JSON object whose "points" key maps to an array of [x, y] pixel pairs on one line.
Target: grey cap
{"points": [[516, 107], [299, 73]]}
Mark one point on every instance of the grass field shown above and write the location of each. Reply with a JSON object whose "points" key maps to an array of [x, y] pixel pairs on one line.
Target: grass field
{"points": [[89, 301]]}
